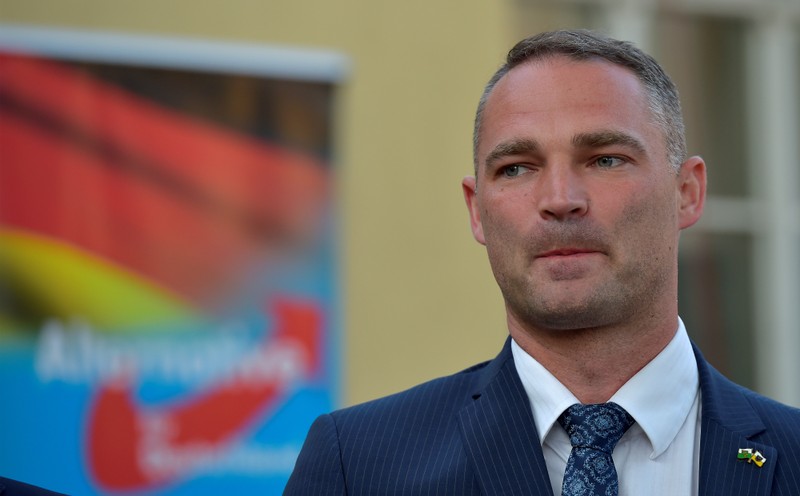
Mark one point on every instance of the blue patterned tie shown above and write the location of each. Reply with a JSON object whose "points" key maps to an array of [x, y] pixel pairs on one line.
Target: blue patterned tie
{"points": [[593, 430]]}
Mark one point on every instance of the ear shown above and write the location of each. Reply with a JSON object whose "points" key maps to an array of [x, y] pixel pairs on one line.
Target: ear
{"points": [[470, 186], [692, 190]]}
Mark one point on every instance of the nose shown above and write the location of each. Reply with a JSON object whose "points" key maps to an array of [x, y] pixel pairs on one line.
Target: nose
{"points": [[562, 193]]}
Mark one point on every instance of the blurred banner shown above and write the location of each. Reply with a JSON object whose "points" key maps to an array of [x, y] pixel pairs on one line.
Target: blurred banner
{"points": [[168, 311]]}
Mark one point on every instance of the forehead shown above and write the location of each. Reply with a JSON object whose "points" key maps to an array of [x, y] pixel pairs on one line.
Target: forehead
{"points": [[559, 96]]}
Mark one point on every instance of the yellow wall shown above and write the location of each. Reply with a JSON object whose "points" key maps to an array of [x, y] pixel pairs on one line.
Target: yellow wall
{"points": [[419, 300]]}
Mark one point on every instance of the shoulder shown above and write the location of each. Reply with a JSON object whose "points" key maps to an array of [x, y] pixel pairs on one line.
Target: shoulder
{"points": [[781, 431], [9, 487], [387, 439], [781, 422], [426, 406], [429, 400]]}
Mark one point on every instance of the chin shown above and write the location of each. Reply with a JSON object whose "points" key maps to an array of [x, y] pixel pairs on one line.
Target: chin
{"points": [[567, 316]]}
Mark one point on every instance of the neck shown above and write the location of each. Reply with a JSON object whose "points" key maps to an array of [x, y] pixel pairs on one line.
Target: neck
{"points": [[594, 363]]}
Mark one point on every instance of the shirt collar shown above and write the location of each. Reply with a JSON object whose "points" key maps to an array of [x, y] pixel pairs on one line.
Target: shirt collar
{"points": [[660, 407]]}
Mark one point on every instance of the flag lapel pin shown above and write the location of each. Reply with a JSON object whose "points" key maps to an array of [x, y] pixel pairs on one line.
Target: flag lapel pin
{"points": [[751, 456]]}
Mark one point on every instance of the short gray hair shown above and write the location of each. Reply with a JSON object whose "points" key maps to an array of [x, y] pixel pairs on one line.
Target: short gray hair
{"points": [[663, 98]]}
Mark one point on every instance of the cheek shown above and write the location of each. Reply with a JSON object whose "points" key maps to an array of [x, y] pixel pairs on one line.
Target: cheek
{"points": [[649, 222], [504, 221]]}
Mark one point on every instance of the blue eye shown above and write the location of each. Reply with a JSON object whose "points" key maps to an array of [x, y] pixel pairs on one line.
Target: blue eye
{"points": [[607, 162], [512, 171]]}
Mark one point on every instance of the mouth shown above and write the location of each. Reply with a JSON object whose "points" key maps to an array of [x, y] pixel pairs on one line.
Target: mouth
{"points": [[566, 252]]}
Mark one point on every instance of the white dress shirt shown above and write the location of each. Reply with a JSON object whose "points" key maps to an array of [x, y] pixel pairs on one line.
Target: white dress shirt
{"points": [[658, 455]]}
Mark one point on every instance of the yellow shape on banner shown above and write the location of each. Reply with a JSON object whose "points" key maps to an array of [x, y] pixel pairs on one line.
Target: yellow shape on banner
{"points": [[53, 279]]}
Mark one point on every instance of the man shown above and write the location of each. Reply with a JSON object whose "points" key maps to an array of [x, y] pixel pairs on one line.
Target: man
{"points": [[581, 189]]}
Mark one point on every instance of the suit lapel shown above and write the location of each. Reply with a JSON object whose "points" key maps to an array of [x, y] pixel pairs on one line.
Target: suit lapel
{"points": [[499, 434], [501, 441], [729, 423]]}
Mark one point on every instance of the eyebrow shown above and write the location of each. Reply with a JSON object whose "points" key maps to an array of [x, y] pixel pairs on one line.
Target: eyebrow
{"points": [[519, 146], [597, 139], [606, 138]]}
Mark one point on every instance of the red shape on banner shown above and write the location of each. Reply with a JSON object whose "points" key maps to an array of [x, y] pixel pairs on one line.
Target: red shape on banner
{"points": [[136, 448]]}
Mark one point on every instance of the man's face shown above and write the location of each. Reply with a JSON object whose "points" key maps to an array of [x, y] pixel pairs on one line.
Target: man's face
{"points": [[574, 198]]}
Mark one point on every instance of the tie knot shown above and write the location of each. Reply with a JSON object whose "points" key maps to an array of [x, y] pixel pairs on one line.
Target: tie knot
{"points": [[598, 427]]}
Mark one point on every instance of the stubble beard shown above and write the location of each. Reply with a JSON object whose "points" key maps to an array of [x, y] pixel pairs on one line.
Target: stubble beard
{"points": [[626, 291], [618, 299]]}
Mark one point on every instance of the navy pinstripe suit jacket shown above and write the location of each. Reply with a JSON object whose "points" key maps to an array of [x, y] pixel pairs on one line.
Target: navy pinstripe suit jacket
{"points": [[473, 433], [10, 487]]}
